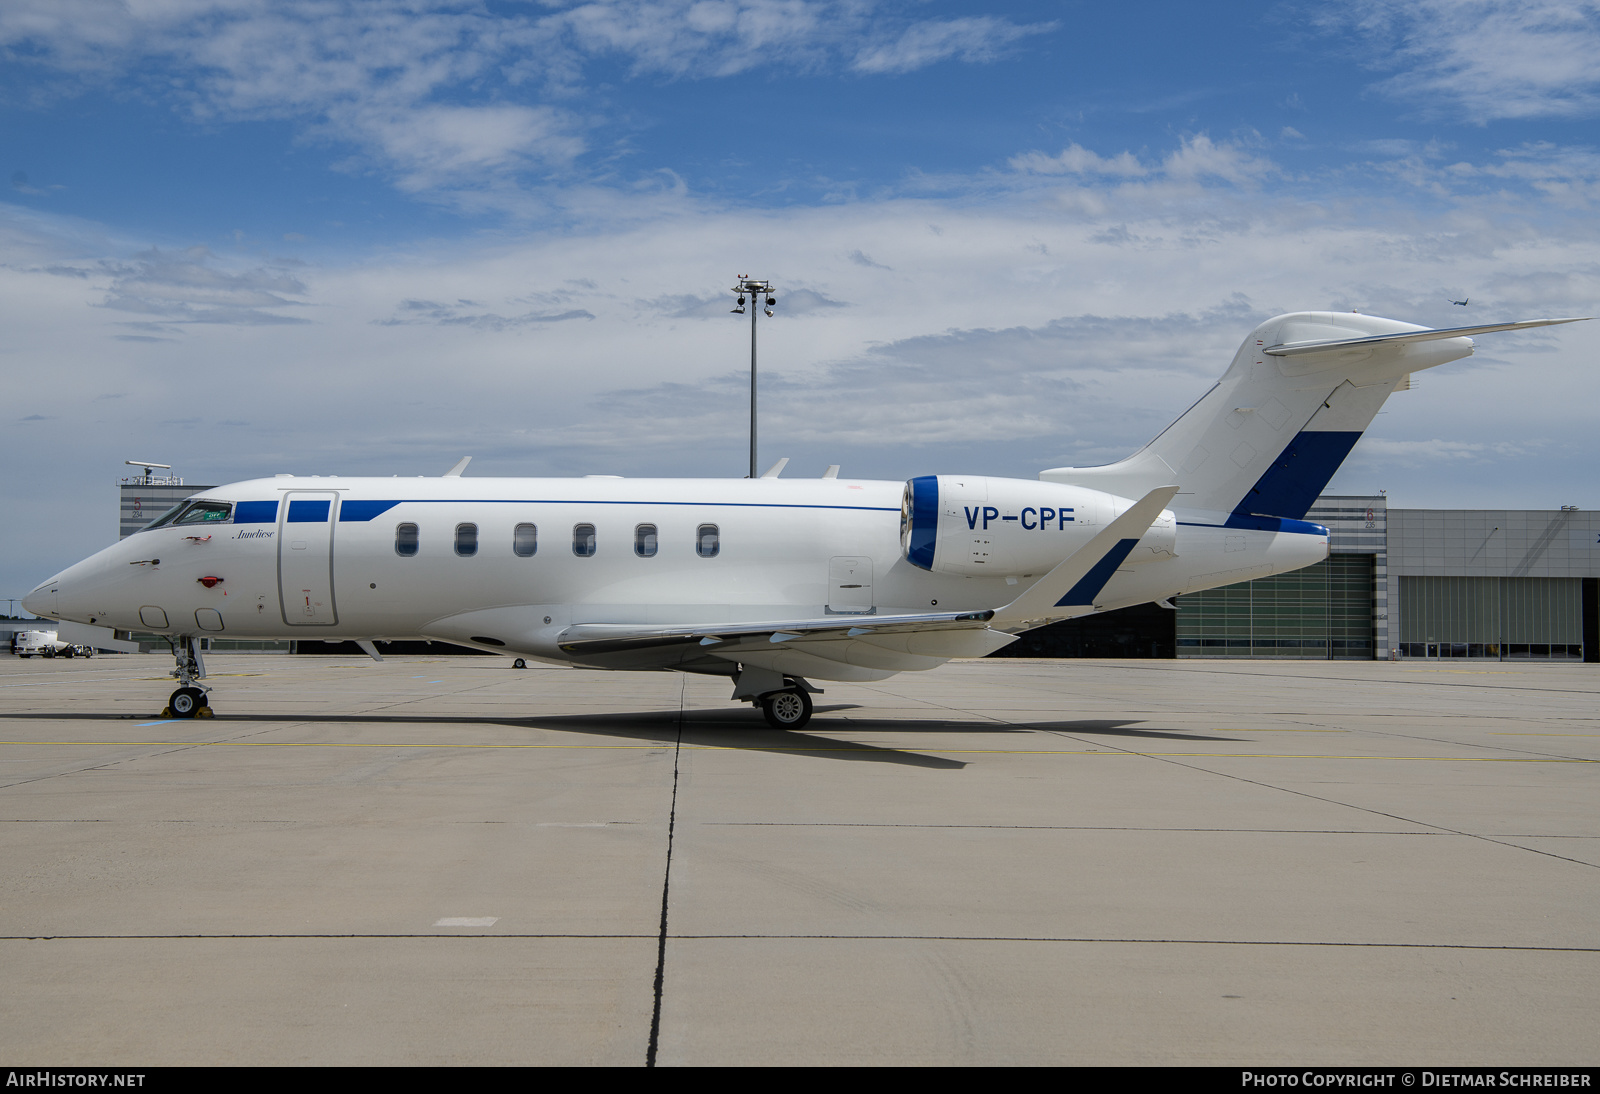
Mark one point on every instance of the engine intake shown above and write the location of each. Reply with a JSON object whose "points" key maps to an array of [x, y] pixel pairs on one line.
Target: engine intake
{"points": [[976, 526]]}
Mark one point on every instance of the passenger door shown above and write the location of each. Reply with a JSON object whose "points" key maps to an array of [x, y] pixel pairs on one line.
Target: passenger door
{"points": [[305, 558]]}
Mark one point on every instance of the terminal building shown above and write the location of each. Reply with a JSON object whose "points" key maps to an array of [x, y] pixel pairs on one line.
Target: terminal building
{"points": [[1485, 584], [145, 497]]}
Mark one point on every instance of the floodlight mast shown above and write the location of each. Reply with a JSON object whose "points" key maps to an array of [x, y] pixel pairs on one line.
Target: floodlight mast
{"points": [[757, 290]]}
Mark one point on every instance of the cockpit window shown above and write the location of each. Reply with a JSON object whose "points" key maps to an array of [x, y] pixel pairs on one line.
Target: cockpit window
{"points": [[205, 512], [193, 512], [166, 518]]}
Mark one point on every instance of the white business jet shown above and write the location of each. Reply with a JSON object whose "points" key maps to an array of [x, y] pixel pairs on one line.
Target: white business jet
{"points": [[772, 582]]}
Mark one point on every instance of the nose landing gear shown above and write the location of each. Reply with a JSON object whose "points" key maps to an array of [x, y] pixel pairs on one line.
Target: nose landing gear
{"points": [[189, 701]]}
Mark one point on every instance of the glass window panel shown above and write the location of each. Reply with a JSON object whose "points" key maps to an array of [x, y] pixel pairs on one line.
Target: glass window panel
{"points": [[644, 541], [525, 540], [206, 512], [466, 540], [707, 541], [406, 540], [583, 540], [167, 517]]}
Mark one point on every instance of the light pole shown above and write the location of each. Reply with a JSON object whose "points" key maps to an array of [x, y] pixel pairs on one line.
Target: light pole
{"points": [[757, 290]]}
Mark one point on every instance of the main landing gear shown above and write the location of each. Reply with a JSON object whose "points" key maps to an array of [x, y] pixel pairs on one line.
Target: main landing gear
{"points": [[786, 709], [189, 701], [785, 701]]}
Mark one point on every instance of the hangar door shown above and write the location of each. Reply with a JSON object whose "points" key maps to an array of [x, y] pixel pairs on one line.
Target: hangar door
{"points": [[305, 558]]}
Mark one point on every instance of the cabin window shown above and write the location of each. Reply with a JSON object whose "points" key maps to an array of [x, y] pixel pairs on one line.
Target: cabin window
{"points": [[466, 540], [525, 540], [406, 540], [583, 543], [644, 541], [707, 541]]}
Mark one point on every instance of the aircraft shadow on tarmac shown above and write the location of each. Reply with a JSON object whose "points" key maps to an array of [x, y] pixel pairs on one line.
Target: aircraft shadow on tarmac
{"points": [[721, 728], [1121, 729]]}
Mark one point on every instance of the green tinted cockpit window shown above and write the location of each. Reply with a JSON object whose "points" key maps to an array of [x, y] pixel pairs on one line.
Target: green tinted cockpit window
{"points": [[205, 512]]}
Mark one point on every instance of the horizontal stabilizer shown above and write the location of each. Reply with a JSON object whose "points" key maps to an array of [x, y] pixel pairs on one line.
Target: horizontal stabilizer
{"points": [[1070, 589], [1294, 349]]}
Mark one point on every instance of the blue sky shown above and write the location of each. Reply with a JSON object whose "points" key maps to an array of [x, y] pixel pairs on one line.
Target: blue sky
{"points": [[247, 237]]}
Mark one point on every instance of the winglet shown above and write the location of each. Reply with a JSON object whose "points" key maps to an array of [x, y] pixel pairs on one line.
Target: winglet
{"points": [[455, 472], [1071, 587], [776, 469]]}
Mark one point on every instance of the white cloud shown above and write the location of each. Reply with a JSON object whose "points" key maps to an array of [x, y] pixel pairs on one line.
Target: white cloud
{"points": [[468, 313], [1199, 156], [1434, 449], [1567, 176], [982, 38], [1552, 175], [1196, 157], [1078, 160], [449, 93], [1481, 59], [187, 287]]}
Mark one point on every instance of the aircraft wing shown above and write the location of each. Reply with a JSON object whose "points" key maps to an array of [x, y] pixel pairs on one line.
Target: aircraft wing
{"points": [[604, 638], [848, 647]]}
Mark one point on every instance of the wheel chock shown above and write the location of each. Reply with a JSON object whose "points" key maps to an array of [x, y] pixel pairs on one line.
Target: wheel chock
{"points": [[166, 712], [204, 712]]}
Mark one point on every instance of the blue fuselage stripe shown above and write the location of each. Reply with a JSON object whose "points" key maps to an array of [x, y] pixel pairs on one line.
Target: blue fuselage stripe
{"points": [[255, 512], [366, 510], [1262, 524], [360, 510]]}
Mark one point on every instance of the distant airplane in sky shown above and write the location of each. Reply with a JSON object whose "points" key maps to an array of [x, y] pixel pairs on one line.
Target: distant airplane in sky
{"points": [[1462, 303], [771, 582]]}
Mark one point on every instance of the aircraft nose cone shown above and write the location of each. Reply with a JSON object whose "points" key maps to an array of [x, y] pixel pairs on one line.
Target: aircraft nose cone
{"points": [[41, 601]]}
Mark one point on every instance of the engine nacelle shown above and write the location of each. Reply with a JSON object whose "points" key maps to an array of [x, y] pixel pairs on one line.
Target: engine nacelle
{"points": [[975, 526]]}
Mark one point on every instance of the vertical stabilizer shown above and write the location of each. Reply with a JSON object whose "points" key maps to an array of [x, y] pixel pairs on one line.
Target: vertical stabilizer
{"points": [[1265, 440]]}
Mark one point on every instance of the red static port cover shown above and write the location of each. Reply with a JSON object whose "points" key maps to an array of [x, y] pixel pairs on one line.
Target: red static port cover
{"points": [[210, 582]]}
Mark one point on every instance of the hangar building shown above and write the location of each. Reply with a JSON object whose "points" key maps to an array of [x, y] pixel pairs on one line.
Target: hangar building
{"points": [[1491, 584]]}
